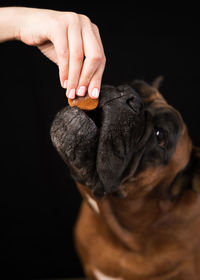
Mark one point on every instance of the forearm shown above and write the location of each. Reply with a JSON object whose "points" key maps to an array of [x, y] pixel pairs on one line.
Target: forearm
{"points": [[9, 23]]}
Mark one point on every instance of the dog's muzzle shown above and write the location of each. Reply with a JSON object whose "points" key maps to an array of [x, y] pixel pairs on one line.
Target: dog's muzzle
{"points": [[98, 145]]}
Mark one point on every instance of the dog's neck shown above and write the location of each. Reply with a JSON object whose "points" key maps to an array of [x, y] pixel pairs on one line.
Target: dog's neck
{"points": [[127, 218], [146, 221], [130, 219]]}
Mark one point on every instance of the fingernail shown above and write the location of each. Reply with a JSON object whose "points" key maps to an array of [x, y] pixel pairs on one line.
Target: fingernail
{"points": [[65, 84], [81, 91], [95, 93], [72, 93]]}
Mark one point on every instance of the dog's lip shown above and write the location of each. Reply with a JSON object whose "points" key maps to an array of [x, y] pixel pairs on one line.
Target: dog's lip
{"points": [[140, 150]]}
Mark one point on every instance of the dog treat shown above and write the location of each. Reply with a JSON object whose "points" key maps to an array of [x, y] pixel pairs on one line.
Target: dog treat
{"points": [[84, 102]]}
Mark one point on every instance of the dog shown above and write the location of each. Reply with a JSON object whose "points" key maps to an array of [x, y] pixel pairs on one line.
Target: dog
{"points": [[139, 175]]}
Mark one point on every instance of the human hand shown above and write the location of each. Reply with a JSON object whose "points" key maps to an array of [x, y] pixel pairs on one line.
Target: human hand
{"points": [[70, 40]]}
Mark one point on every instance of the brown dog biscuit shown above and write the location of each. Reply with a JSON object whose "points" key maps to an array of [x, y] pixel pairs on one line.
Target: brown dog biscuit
{"points": [[84, 102]]}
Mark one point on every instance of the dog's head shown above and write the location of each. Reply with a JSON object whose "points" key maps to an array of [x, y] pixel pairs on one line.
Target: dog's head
{"points": [[133, 142]]}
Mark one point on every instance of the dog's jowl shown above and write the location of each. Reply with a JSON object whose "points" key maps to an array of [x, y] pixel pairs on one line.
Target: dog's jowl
{"points": [[139, 174]]}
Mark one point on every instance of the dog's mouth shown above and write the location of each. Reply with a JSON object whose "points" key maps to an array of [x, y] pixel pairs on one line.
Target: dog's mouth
{"points": [[99, 145], [95, 116]]}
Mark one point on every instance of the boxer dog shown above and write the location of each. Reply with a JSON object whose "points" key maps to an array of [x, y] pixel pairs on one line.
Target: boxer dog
{"points": [[139, 174]]}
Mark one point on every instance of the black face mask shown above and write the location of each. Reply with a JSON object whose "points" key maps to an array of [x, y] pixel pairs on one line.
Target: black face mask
{"points": [[98, 146]]}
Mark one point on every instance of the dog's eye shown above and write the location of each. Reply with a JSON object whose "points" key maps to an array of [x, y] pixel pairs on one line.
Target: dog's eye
{"points": [[161, 136]]}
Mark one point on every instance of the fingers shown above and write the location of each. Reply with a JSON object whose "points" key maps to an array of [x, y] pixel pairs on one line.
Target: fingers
{"points": [[80, 56], [95, 82], [94, 62], [62, 54]]}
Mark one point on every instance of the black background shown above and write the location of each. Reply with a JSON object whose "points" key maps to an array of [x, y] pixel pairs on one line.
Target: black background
{"points": [[39, 200]]}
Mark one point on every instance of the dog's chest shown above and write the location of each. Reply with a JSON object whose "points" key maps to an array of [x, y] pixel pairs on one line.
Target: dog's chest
{"points": [[93, 204], [101, 276]]}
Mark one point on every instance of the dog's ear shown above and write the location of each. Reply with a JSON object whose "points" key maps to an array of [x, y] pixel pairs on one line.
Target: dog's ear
{"points": [[157, 82], [189, 178]]}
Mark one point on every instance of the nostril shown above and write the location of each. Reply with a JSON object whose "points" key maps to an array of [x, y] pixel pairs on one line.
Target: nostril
{"points": [[130, 102], [135, 104]]}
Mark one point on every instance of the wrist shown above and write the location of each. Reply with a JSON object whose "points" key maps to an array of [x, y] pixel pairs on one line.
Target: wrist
{"points": [[10, 21]]}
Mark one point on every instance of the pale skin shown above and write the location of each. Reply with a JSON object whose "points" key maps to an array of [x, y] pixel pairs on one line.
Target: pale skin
{"points": [[68, 39]]}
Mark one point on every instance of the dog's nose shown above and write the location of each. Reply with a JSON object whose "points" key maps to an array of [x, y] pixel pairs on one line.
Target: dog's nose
{"points": [[135, 103], [123, 95]]}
